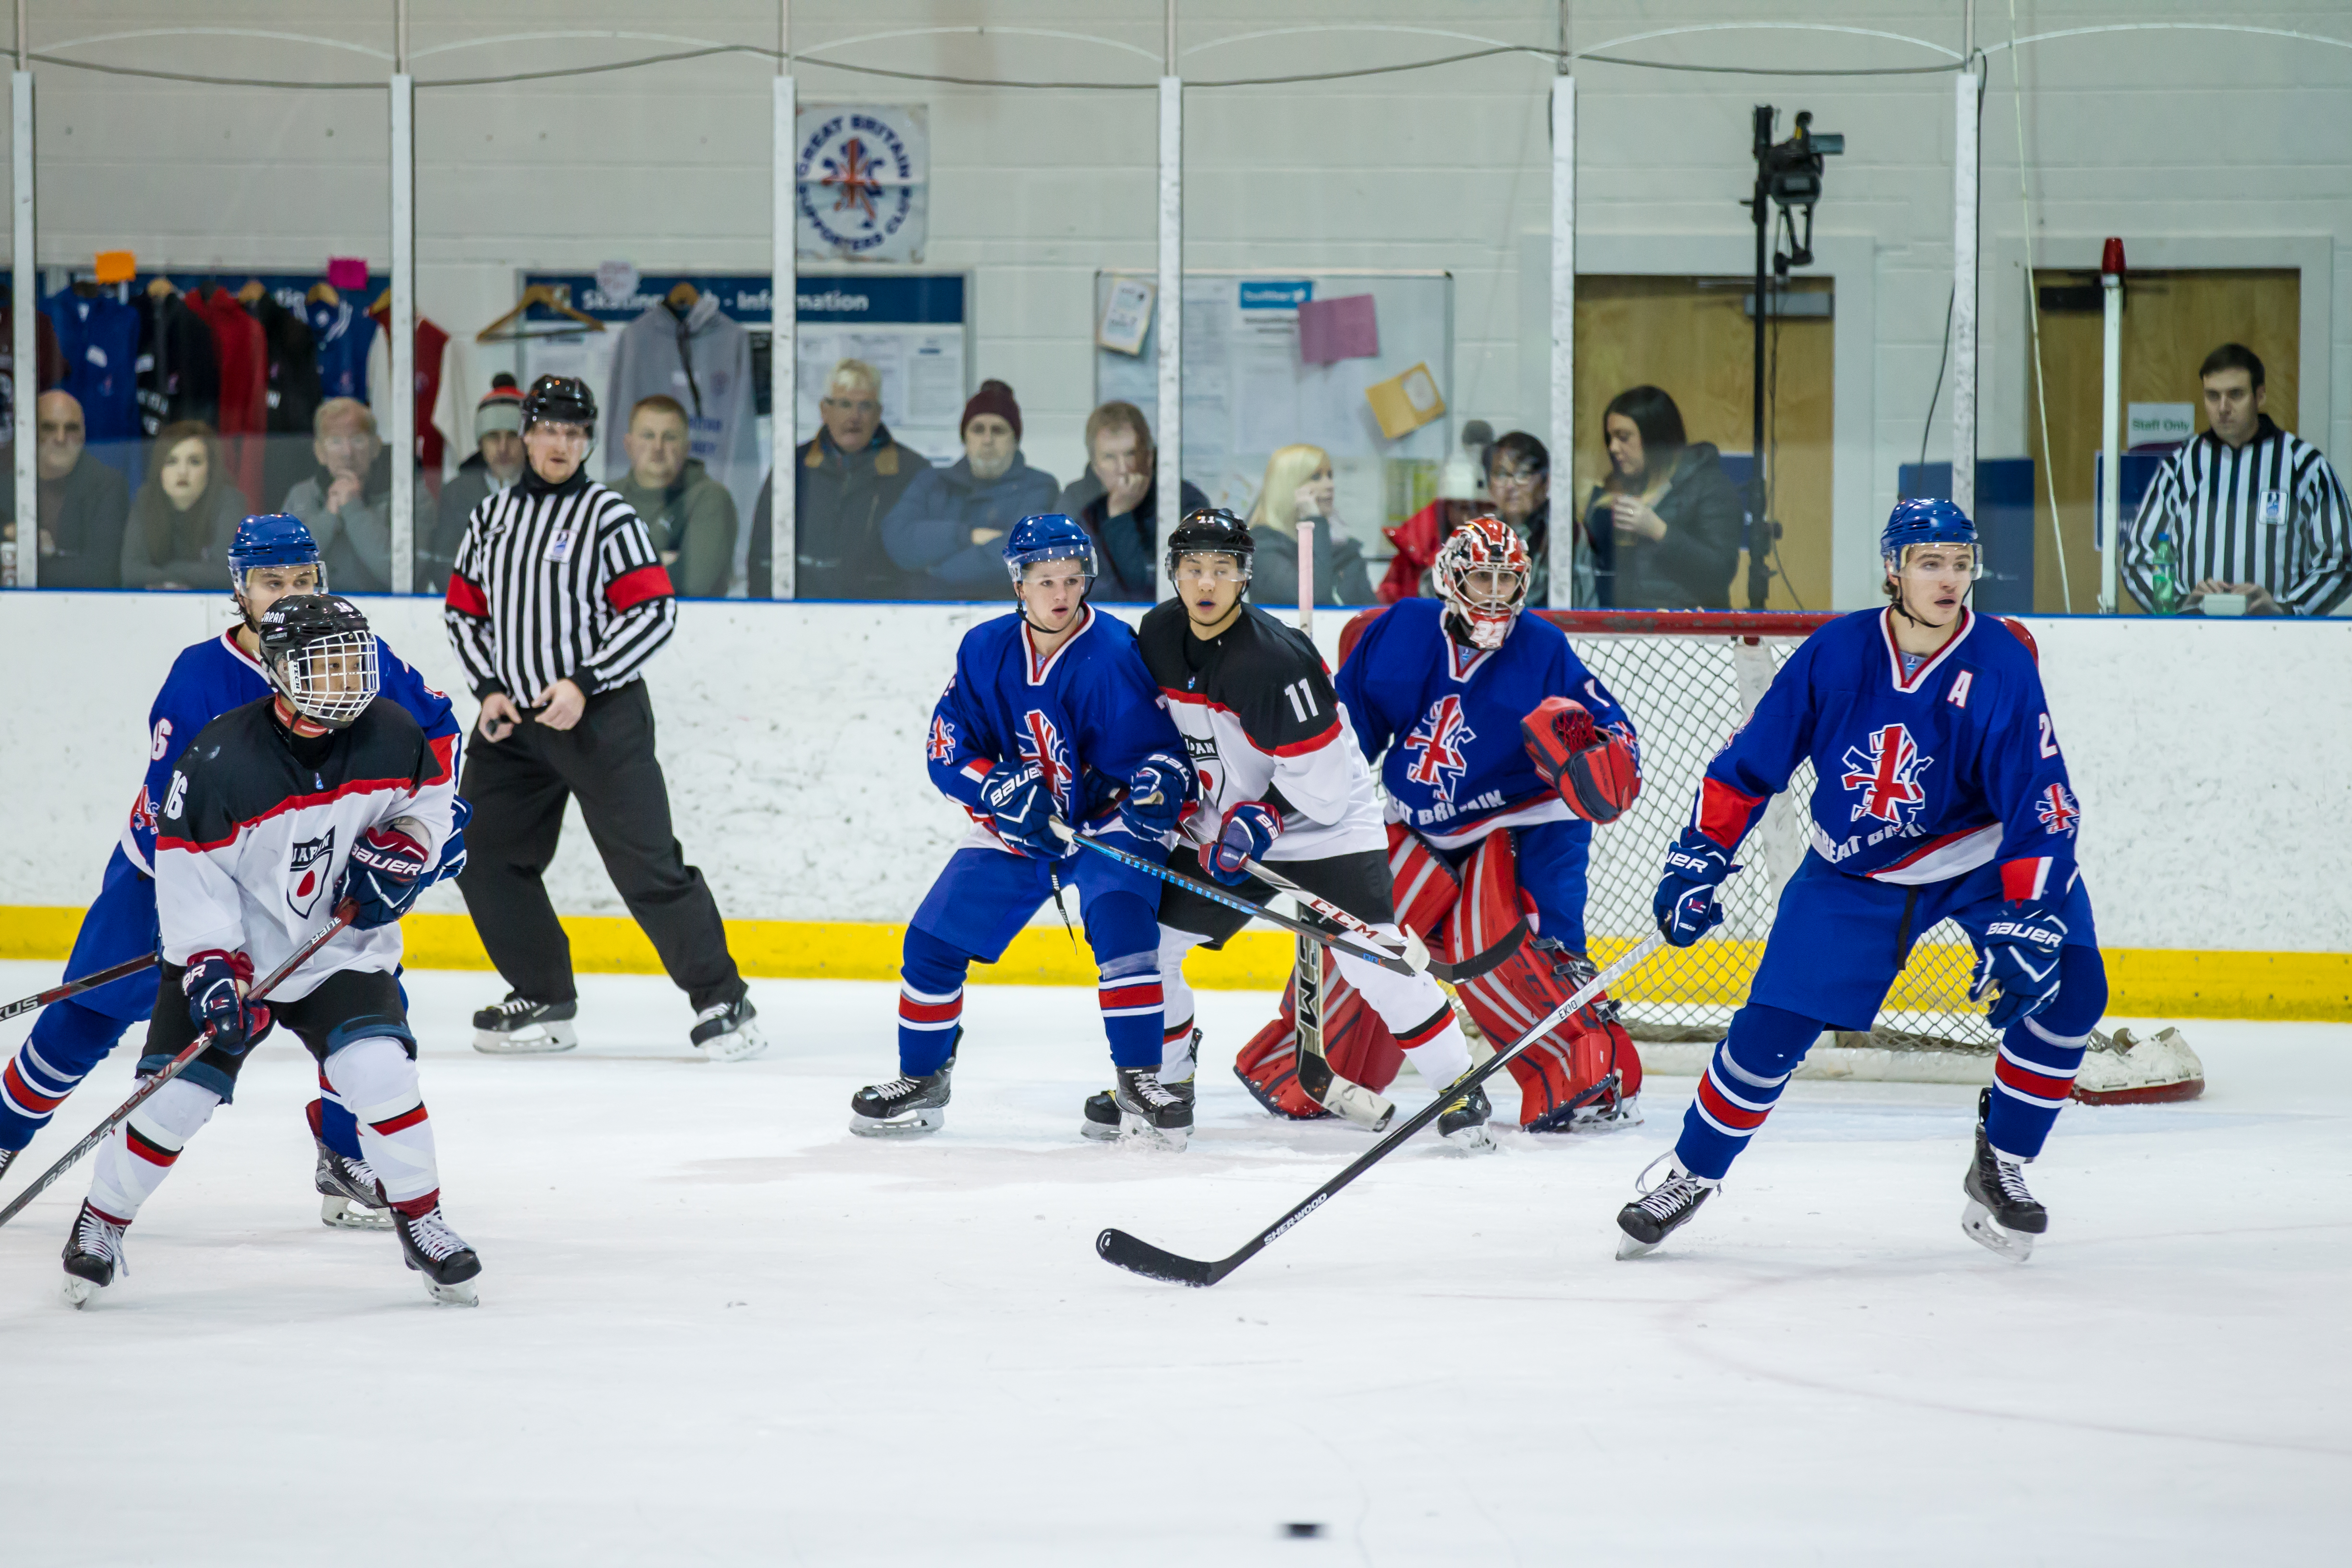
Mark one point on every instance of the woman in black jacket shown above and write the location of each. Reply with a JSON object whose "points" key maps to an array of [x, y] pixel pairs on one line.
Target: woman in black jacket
{"points": [[1666, 525]]}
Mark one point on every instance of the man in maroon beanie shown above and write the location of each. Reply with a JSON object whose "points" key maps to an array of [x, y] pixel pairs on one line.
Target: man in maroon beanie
{"points": [[944, 529]]}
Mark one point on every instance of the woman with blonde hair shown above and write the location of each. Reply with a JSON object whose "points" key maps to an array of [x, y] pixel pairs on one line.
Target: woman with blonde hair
{"points": [[184, 515], [1299, 486]]}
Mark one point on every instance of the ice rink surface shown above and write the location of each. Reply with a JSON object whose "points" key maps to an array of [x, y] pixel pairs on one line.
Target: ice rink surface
{"points": [[717, 1328]]}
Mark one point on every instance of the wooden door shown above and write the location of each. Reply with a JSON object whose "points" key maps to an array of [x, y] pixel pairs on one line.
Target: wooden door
{"points": [[1691, 337], [2171, 322]]}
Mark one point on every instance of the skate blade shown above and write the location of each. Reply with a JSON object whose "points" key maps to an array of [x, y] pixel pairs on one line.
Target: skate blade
{"points": [[1472, 1140], [1988, 1233], [1101, 1133], [539, 1040], [1633, 1246], [460, 1294], [78, 1290], [1136, 1132], [912, 1125], [341, 1213], [739, 1047]]}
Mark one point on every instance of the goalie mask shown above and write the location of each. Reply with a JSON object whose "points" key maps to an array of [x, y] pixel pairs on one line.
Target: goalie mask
{"points": [[320, 657], [1481, 574]]}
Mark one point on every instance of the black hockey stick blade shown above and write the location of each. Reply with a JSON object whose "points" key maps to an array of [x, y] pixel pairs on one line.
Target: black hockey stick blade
{"points": [[1140, 1257], [59, 992]]}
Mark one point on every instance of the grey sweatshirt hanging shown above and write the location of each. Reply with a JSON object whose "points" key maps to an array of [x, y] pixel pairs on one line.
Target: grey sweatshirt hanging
{"points": [[705, 363]]}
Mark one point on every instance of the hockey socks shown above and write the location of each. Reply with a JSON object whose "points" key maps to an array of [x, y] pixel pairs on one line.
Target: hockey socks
{"points": [[331, 1121], [1436, 1046], [1743, 1081], [67, 1041], [136, 1156], [1129, 995], [930, 1001], [2034, 1076], [376, 1079]]}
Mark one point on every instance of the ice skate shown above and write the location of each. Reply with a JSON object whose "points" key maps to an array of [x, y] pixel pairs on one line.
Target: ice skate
{"points": [[1658, 1212], [5, 1156], [725, 1032], [429, 1246], [1464, 1124], [350, 1197], [93, 1253], [903, 1107], [2000, 1215], [1151, 1112], [1605, 1111], [520, 1027], [1101, 1117]]}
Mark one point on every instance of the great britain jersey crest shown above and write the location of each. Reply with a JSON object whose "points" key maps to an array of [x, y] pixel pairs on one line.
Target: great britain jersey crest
{"points": [[1885, 773]]}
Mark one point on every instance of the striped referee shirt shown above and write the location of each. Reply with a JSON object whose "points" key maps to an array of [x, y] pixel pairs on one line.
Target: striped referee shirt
{"points": [[556, 582], [2270, 511]]}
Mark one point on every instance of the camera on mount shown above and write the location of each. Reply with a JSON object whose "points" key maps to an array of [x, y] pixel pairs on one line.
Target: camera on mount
{"points": [[1788, 174]]}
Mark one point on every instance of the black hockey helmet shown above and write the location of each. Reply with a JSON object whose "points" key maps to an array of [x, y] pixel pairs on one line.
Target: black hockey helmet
{"points": [[561, 400], [321, 657], [1211, 531]]}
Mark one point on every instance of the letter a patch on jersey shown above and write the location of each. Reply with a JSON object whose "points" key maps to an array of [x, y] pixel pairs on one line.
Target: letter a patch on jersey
{"points": [[2057, 810], [1886, 775], [1040, 743], [307, 864], [1436, 743]]}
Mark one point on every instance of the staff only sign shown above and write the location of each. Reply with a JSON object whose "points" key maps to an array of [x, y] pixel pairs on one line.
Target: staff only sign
{"points": [[864, 174]]}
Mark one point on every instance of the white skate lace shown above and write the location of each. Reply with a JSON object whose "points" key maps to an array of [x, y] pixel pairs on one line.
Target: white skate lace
{"points": [[2011, 1179], [432, 1236], [99, 1238], [895, 1088], [1147, 1088], [1660, 1202], [359, 1173]]}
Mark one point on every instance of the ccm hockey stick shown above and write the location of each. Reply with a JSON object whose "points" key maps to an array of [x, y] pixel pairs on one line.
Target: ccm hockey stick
{"points": [[1399, 963], [178, 1064], [66, 988], [1416, 952], [1117, 1246]]}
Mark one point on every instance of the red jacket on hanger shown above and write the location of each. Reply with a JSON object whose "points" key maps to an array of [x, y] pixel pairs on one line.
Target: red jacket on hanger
{"points": [[431, 344], [244, 382]]}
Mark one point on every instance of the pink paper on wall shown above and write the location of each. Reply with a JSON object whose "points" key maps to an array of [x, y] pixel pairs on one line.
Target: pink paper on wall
{"points": [[347, 271], [1333, 329]]}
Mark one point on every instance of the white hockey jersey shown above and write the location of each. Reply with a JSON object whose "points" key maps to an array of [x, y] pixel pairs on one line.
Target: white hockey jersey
{"points": [[1261, 722], [258, 825]]}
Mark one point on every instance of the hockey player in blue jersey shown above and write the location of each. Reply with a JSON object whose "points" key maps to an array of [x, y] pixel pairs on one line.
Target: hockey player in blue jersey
{"points": [[272, 556], [1941, 795], [1499, 751], [1050, 715]]}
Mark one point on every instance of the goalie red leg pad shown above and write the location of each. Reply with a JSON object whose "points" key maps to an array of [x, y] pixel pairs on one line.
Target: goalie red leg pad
{"points": [[1569, 1067], [1358, 1046], [1426, 886], [1490, 916], [1268, 1068]]}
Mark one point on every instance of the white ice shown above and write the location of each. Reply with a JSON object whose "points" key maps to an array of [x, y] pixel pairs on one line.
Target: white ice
{"points": [[715, 1327]]}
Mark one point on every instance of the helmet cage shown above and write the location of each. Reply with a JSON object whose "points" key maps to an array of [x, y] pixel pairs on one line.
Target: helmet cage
{"points": [[1488, 545], [330, 680]]}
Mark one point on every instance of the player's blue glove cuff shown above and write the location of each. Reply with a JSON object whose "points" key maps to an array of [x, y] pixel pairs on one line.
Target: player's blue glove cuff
{"points": [[1685, 905], [1020, 809], [383, 876], [212, 985], [1155, 798], [2019, 961], [451, 864], [1249, 832]]}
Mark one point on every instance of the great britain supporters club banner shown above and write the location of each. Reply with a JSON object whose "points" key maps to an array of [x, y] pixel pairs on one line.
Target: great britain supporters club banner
{"points": [[863, 178]]}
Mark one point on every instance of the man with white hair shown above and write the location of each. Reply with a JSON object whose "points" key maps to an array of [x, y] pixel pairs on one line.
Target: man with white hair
{"points": [[847, 478], [346, 503]]}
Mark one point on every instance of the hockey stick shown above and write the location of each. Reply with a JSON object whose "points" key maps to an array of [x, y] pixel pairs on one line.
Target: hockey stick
{"points": [[64, 989], [178, 1064], [1398, 963], [1416, 952], [1117, 1246]]}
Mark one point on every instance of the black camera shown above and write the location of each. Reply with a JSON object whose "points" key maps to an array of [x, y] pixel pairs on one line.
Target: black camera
{"points": [[1789, 174]]}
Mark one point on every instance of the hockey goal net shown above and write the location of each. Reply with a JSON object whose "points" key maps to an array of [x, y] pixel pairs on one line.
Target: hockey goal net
{"points": [[1688, 678]]}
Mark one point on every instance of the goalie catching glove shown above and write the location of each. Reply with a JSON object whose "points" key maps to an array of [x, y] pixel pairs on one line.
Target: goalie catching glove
{"points": [[1597, 772], [214, 985]]}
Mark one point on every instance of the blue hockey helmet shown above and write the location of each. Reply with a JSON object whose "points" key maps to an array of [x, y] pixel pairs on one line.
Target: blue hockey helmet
{"points": [[272, 538], [1048, 536], [1926, 520]]}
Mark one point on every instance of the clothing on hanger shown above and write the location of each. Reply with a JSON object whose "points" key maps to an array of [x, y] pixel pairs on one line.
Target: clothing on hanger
{"points": [[244, 352], [341, 333], [431, 348], [98, 335], [294, 394], [704, 360], [178, 366], [49, 366]]}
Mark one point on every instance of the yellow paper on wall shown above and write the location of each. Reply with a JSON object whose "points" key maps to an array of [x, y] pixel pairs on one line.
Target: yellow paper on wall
{"points": [[1404, 403]]}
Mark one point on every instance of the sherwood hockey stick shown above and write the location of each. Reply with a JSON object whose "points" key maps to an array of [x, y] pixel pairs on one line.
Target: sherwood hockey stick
{"points": [[178, 1064], [64, 989], [1399, 963], [1116, 1247]]}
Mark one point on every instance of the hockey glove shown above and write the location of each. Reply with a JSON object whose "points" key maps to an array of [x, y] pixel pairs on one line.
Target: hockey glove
{"points": [[1155, 797], [2019, 961], [1597, 772], [1020, 809], [214, 985], [1685, 905], [451, 864], [386, 873], [1249, 832]]}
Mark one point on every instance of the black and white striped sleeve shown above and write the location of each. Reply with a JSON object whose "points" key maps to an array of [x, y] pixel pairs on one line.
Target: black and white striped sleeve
{"points": [[465, 611], [2320, 557], [2159, 513], [641, 608]]}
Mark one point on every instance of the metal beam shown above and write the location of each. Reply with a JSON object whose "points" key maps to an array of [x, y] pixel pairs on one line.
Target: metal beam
{"points": [[1562, 538]]}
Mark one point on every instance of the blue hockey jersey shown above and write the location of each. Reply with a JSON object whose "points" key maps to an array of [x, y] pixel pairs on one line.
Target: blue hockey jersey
{"points": [[210, 679], [343, 333], [1918, 777], [1448, 719], [98, 337], [1088, 716]]}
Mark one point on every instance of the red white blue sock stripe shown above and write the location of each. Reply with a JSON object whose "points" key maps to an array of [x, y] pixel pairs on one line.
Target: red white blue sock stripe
{"points": [[1131, 998], [924, 1011], [31, 1088], [1733, 1100]]}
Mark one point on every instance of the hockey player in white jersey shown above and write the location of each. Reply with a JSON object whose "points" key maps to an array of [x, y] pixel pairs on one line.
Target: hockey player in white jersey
{"points": [[1282, 783], [276, 813]]}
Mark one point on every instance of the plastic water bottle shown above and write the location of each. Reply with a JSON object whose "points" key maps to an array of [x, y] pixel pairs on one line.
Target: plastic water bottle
{"points": [[2166, 576]]}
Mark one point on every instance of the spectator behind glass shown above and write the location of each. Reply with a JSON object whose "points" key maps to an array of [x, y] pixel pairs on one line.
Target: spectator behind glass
{"points": [[1419, 537], [946, 526], [688, 515], [1299, 486], [1117, 502], [1519, 477], [185, 513], [1667, 519], [83, 501], [495, 465], [347, 502], [847, 477]]}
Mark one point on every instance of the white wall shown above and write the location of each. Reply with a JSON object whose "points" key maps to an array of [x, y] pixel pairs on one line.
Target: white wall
{"points": [[2158, 136], [2213, 759]]}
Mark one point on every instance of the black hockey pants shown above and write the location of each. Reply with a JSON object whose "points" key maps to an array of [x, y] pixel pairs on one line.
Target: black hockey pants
{"points": [[518, 788]]}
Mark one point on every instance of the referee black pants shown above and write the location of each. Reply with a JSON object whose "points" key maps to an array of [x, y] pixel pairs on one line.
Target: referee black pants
{"points": [[518, 788]]}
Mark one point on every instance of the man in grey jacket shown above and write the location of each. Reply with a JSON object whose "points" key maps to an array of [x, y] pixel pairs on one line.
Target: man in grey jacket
{"points": [[689, 351], [346, 503]]}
